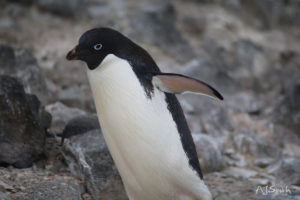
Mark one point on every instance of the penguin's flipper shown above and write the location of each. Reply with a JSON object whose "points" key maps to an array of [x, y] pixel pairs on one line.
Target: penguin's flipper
{"points": [[177, 83]]}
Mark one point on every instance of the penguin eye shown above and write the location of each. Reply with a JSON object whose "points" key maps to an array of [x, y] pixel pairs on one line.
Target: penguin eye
{"points": [[97, 47]]}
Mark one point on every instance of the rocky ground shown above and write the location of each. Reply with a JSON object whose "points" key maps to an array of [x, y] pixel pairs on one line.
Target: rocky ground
{"points": [[248, 145]]}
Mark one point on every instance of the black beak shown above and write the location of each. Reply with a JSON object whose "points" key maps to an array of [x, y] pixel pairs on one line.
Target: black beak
{"points": [[72, 55]]}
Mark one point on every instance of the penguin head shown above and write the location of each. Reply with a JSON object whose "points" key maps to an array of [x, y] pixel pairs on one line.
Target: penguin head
{"points": [[95, 44]]}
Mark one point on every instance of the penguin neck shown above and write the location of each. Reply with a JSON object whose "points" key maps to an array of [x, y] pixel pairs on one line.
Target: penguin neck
{"points": [[114, 82], [141, 64]]}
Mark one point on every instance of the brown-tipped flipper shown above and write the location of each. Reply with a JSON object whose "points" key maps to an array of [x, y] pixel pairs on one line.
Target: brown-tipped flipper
{"points": [[176, 83]]}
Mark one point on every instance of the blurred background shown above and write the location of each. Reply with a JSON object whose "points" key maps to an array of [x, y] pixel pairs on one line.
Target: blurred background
{"points": [[249, 50]]}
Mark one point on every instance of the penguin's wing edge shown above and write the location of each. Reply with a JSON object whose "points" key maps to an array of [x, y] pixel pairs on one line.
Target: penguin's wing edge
{"points": [[177, 83]]}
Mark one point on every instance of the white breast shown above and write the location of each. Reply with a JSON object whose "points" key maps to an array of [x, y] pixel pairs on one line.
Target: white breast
{"points": [[140, 134]]}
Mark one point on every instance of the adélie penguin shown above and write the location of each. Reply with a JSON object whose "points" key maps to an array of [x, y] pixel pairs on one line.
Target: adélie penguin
{"points": [[141, 119]]}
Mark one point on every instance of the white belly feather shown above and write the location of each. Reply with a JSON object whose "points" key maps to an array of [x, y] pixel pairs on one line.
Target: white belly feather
{"points": [[142, 136]]}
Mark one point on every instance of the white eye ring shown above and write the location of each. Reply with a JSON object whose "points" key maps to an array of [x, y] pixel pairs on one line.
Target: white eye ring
{"points": [[97, 47]]}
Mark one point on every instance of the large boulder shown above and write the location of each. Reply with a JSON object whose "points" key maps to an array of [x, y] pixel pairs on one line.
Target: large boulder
{"points": [[22, 137], [89, 159]]}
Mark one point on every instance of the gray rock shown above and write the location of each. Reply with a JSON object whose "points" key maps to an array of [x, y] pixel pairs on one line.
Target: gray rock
{"points": [[7, 58], [263, 14], [235, 159], [251, 56], [89, 159], [26, 2], [288, 110], [72, 96], [34, 103], [215, 120], [209, 153], [224, 187], [263, 162], [240, 172], [50, 190], [67, 8], [72, 89], [59, 76], [154, 21], [39, 112], [28, 70], [22, 138], [240, 62], [45, 119], [61, 115], [267, 11], [251, 144], [246, 144], [207, 116], [98, 9], [79, 125], [245, 102], [287, 170], [5, 187], [21, 63], [290, 13], [207, 70], [232, 64], [4, 196], [7, 24], [260, 181], [272, 13]]}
